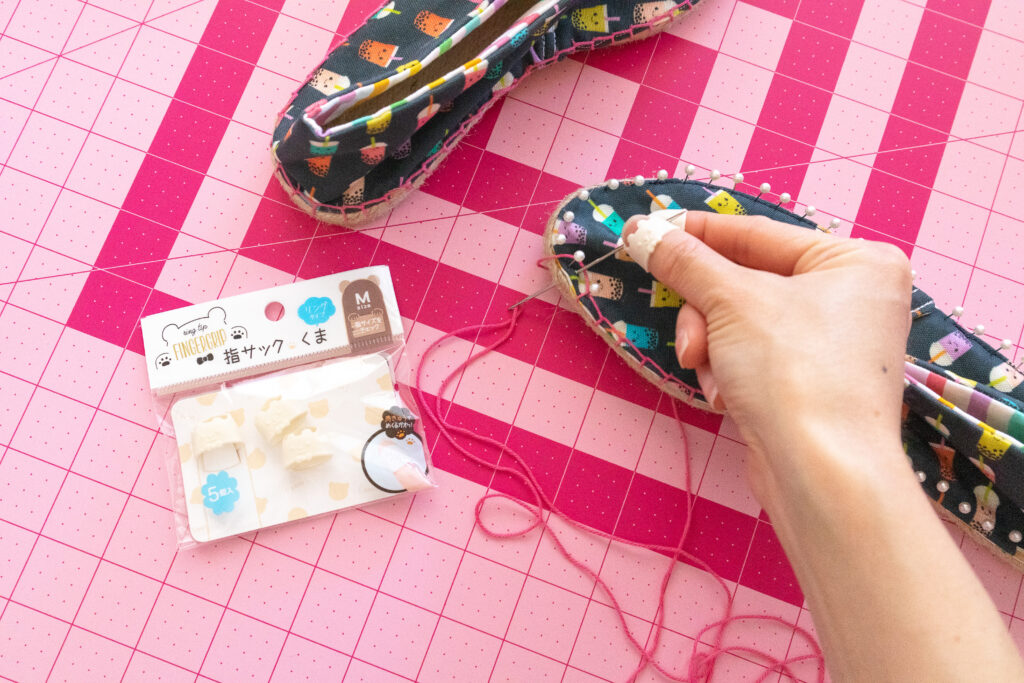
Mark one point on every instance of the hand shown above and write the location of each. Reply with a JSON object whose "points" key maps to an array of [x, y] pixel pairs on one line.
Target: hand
{"points": [[790, 329], [802, 337]]}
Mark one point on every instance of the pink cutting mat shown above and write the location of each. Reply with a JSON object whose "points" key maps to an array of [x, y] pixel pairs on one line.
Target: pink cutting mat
{"points": [[136, 178]]}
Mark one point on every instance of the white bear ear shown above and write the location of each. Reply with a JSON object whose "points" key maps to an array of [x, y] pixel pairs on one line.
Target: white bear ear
{"points": [[168, 328], [217, 313]]}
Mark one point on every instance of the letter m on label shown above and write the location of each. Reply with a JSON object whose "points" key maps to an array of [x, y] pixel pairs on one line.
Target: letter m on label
{"points": [[362, 298]]}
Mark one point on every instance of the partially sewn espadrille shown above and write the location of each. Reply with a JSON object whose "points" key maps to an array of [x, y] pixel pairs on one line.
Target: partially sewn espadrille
{"points": [[633, 312], [963, 412], [390, 102]]}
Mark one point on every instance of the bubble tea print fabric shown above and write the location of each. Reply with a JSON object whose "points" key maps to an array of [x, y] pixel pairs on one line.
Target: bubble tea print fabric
{"points": [[387, 104], [963, 421]]}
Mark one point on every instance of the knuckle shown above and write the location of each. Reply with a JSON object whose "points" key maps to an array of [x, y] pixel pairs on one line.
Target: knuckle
{"points": [[891, 252], [892, 257], [891, 262], [743, 246]]}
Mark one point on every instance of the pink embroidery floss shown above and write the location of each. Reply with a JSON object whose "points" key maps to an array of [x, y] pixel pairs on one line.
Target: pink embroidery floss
{"points": [[701, 664]]}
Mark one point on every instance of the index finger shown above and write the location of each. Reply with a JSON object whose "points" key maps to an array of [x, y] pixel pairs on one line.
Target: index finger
{"points": [[752, 241]]}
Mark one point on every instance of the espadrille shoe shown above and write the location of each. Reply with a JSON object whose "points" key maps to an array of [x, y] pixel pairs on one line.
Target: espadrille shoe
{"points": [[963, 413], [386, 106], [635, 314]]}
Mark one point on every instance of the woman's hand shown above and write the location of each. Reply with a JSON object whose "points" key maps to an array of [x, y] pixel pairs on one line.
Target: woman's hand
{"points": [[785, 325], [802, 337]]}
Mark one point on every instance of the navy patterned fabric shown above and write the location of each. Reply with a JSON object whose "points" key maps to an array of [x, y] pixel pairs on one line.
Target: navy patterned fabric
{"points": [[632, 304], [938, 339], [963, 421], [964, 484], [391, 98]]}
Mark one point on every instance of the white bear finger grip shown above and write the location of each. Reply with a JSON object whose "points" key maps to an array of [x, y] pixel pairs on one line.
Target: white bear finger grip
{"points": [[649, 233], [216, 442], [277, 418], [305, 449]]}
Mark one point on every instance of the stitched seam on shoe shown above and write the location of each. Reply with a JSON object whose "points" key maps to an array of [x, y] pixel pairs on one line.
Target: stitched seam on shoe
{"points": [[315, 205], [415, 98]]}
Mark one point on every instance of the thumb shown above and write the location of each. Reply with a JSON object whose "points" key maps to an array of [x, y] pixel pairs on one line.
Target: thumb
{"points": [[678, 259]]}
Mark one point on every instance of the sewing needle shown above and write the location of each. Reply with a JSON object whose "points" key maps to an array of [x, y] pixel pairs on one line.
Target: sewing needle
{"points": [[581, 269], [586, 266]]}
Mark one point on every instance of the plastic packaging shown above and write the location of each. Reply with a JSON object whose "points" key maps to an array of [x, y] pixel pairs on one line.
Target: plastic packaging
{"points": [[284, 404]]}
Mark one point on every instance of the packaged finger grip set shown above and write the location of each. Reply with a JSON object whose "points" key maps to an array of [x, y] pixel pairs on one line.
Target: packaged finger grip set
{"points": [[284, 404]]}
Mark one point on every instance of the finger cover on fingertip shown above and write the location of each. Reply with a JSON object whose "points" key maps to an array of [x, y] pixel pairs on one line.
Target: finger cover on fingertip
{"points": [[649, 233]]}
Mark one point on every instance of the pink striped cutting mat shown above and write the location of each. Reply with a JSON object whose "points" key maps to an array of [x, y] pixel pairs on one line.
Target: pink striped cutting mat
{"points": [[135, 177]]}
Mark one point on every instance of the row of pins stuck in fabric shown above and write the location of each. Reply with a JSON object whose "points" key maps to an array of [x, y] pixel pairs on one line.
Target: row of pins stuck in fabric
{"points": [[690, 171], [764, 188]]}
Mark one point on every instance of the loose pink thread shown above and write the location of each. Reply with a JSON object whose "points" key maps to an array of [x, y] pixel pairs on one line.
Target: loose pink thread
{"points": [[701, 664]]}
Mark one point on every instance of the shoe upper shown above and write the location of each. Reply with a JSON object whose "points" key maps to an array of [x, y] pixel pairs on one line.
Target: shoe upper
{"points": [[963, 414], [342, 151], [636, 313]]}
